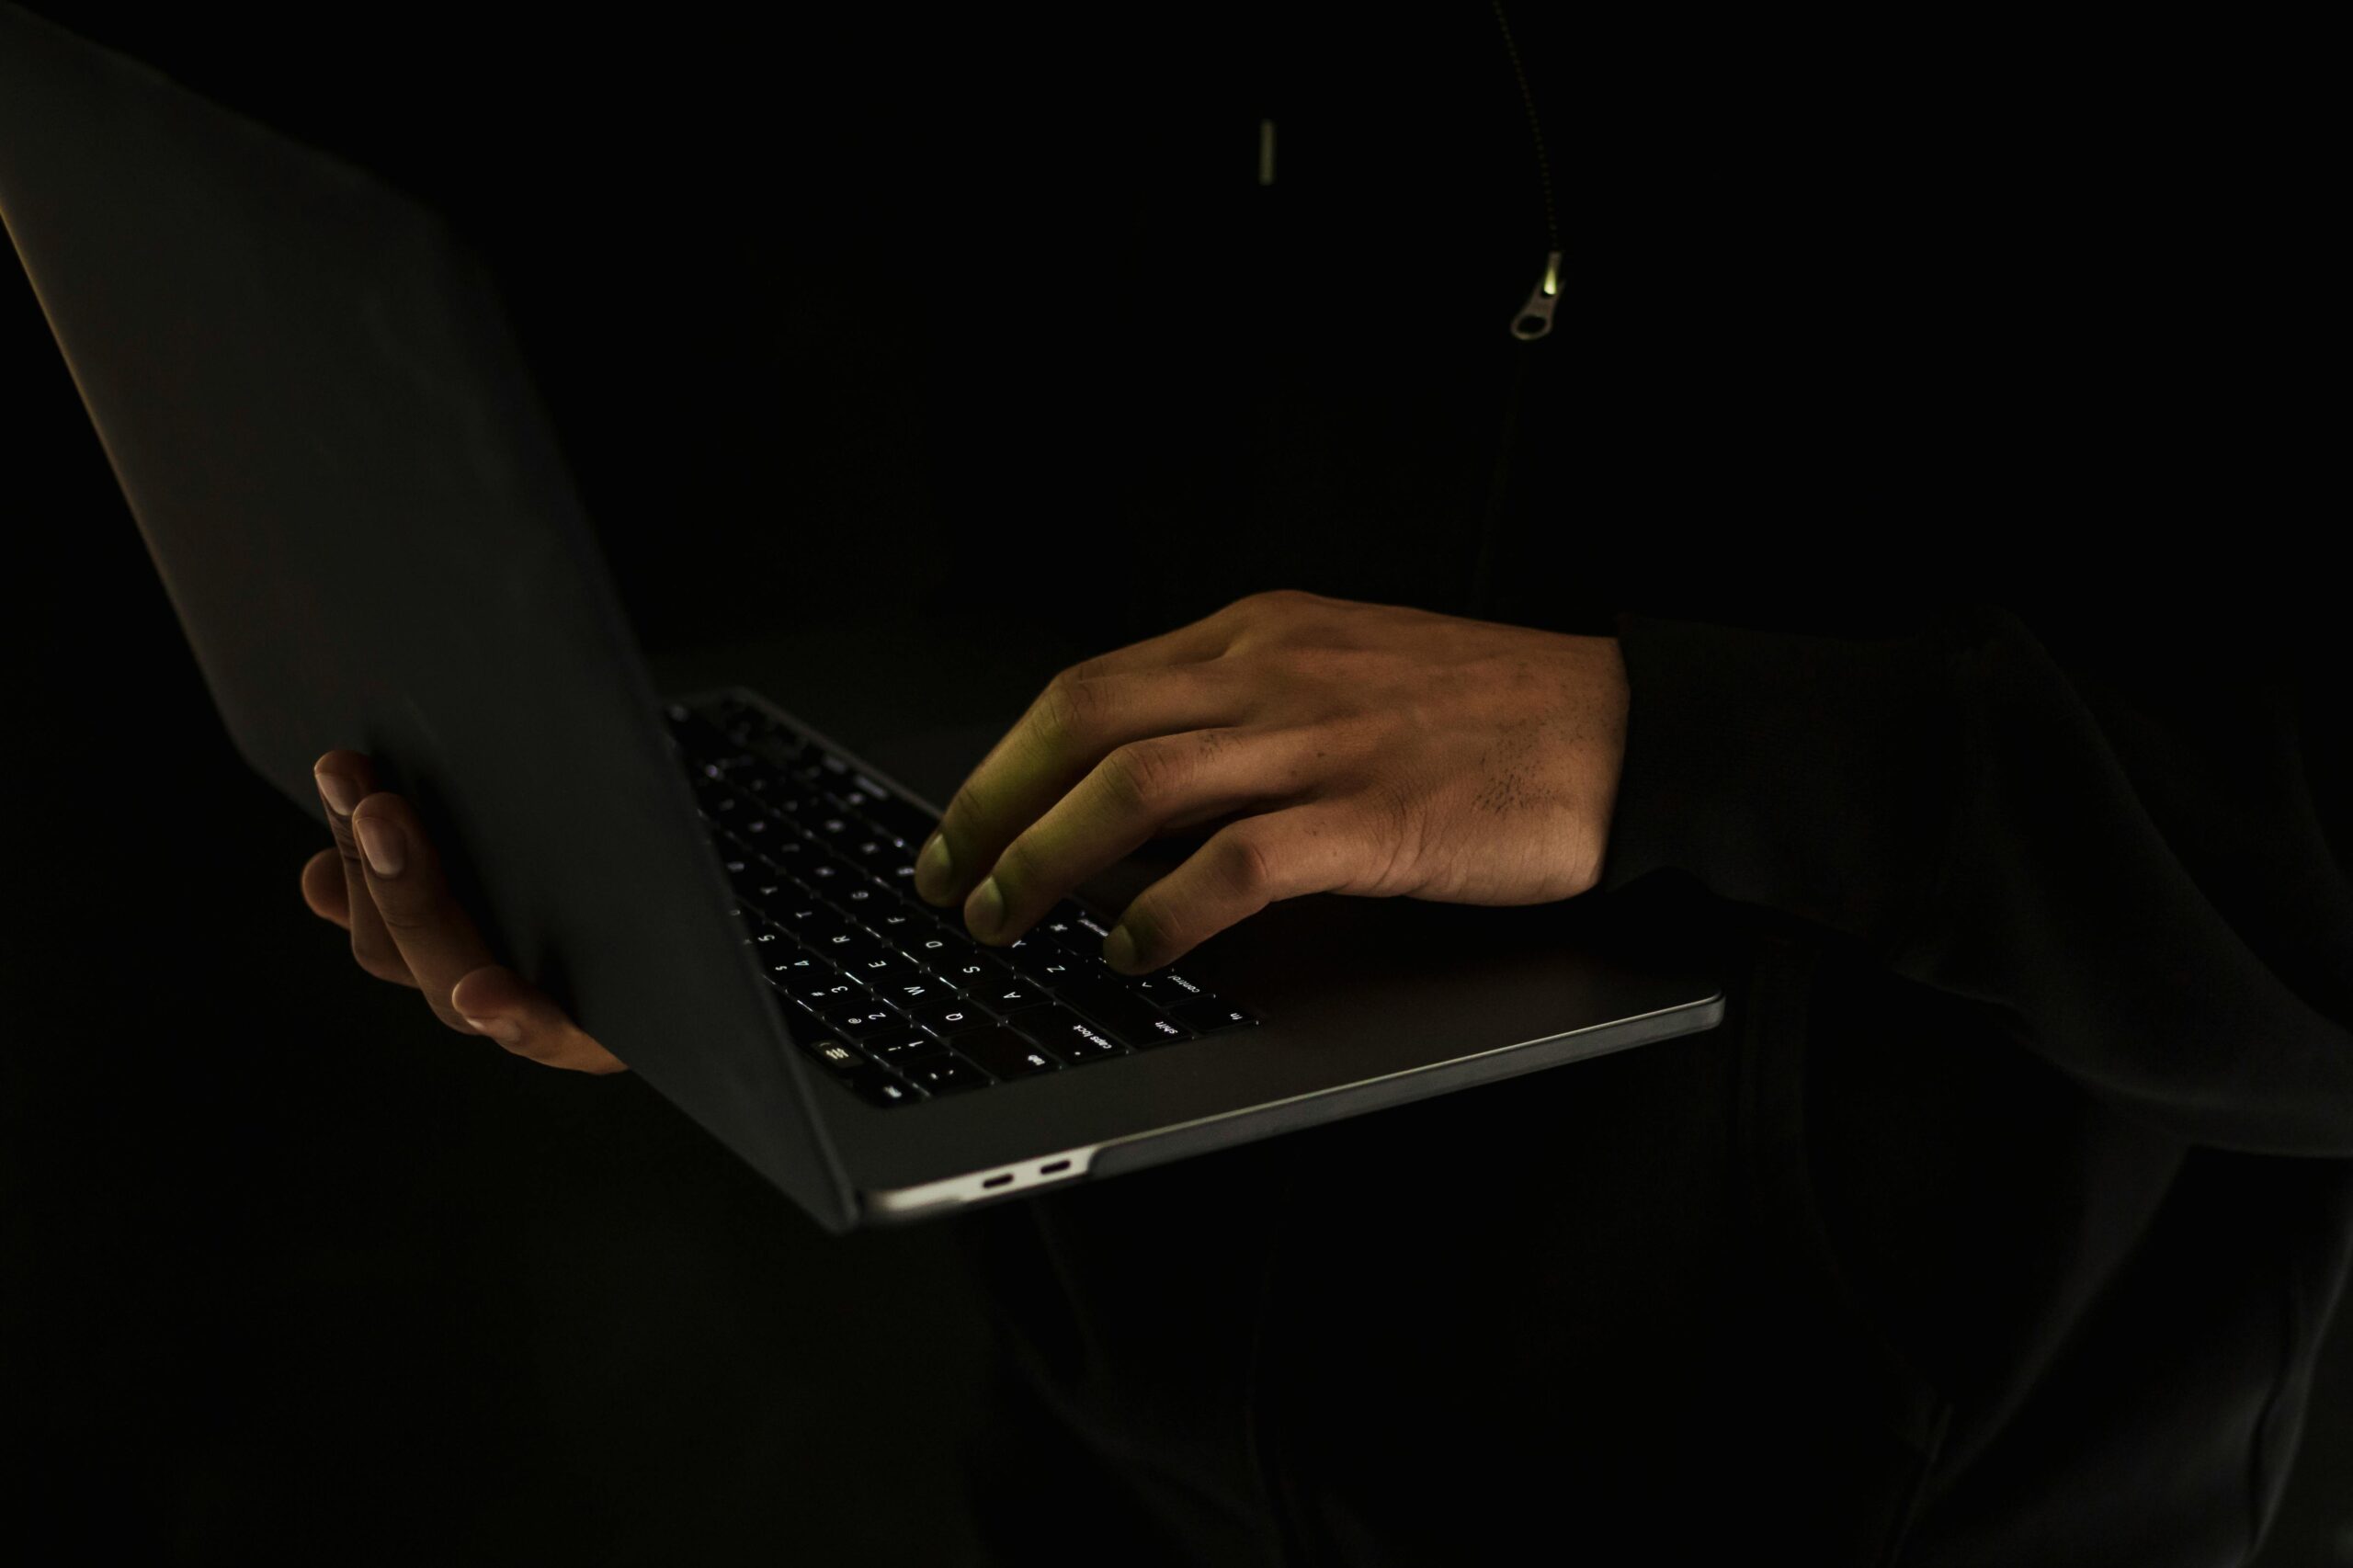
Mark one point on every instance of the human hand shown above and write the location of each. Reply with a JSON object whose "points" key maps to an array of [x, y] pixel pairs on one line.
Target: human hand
{"points": [[1353, 749], [406, 927]]}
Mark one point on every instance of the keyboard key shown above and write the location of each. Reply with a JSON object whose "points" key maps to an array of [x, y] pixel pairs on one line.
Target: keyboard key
{"points": [[1008, 999], [1208, 1014], [789, 856], [786, 806], [836, 828], [900, 1046], [1004, 1053], [808, 921], [816, 986], [949, 1019], [763, 784], [724, 807], [784, 960], [872, 855], [893, 847], [824, 874], [940, 946], [1167, 987], [875, 1086], [897, 816], [757, 830], [1064, 969], [764, 895], [1030, 954], [831, 1054], [881, 968], [1064, 1033], [943, 1073], [974, 975], [911, 990], [858, 791], [829, 993], [859, 902], [1126, 1017], [770, 944], [862, 1021], [785, 957], [850, 948], [898, 924], [1074, 934]]}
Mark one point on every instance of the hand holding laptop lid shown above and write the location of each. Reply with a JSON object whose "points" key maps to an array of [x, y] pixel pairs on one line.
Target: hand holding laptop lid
{"points": [[383, 882], [1366, 749]]}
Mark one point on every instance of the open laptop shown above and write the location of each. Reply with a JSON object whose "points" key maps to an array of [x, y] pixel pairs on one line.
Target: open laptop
{"points": [[329, 441]]}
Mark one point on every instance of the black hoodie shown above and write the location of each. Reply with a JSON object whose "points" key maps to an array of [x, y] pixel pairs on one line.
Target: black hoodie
{"points": [[1909, 416], [1920, 411]]}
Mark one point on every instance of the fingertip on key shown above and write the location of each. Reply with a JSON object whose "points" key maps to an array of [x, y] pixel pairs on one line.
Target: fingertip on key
{"points": [[933, 867], [984, 912]]}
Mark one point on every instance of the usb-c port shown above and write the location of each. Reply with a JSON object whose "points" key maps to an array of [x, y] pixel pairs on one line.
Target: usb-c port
{"points": [[999, 1180], [1057, 1165]]}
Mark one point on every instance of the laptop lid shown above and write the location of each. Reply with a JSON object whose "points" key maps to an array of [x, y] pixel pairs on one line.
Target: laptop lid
{"points": [[321, 421]]}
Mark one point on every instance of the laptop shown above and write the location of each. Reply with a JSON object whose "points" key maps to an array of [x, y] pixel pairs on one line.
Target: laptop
{"points": [[329, 441]]}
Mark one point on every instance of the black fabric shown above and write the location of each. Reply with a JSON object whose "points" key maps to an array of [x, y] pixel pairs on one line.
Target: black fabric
{"points": [[1909, 419]]}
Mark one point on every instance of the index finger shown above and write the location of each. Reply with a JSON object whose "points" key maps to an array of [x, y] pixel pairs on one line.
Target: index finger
{"points": [[1074, 722]]}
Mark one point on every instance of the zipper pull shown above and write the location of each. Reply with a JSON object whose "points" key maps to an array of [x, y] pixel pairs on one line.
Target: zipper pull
{"points": [[1535, 318]]}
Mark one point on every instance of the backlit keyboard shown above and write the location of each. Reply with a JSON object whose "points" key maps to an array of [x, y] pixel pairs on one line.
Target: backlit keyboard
{"points": [[889, 994]]}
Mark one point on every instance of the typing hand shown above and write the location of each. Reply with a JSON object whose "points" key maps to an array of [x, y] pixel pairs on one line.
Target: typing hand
{"points": [[383, 882], [1347, 747]]}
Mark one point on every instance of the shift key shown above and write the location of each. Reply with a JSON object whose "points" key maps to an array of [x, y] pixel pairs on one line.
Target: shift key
{"points": [[1004, 1053], [1209, 1013], [1123, 1015]]}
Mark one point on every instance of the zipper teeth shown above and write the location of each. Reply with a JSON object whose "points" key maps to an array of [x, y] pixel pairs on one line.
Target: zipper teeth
{"points": [[1528, 100]]}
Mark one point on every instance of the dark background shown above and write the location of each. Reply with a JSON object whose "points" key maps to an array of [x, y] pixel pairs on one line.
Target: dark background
{"points": [[292, 1274]]}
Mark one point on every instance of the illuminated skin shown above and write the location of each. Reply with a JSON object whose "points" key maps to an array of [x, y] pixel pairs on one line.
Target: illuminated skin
{"points": [[1341, 747]]}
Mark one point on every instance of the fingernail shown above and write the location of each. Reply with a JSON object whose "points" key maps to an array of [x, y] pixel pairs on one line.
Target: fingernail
{"points": [[1120, 948], [985, 911], [505, 1029], [381, 842], [341, 793], [932, 867]]}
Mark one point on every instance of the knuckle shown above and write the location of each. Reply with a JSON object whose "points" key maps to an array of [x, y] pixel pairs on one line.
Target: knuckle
{"points": [[1386, 825], [1066, 708], [1147, 931], [966, 809], [1018, 867], [1244, 864], [1141, 773]]}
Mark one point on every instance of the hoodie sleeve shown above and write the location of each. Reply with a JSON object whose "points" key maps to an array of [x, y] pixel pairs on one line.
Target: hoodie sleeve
{"points": [[2129, 856]]}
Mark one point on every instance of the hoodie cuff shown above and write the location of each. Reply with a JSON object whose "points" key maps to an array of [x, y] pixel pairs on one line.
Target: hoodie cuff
{"points": [[1805, 774]]}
